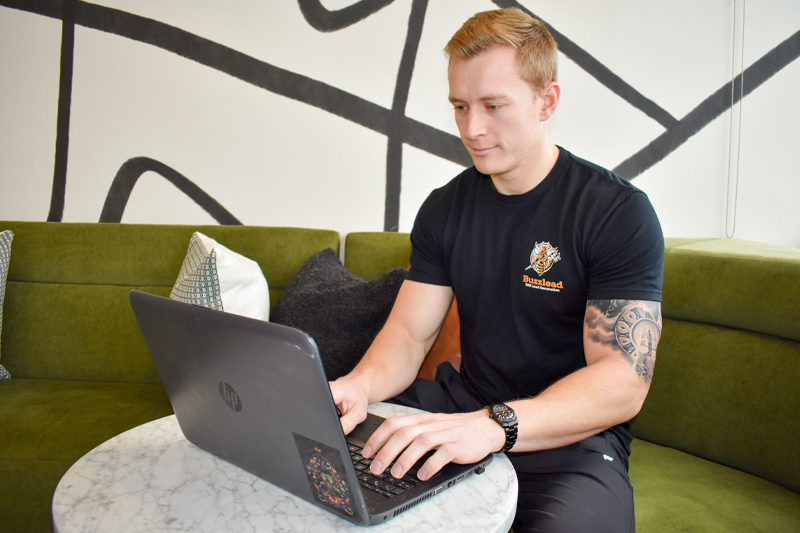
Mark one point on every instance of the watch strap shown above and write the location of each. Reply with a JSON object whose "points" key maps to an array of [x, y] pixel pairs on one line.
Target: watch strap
{"points": [[509, 424]]}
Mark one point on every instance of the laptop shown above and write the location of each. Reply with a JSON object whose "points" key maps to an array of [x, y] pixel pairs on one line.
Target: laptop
{"points": [[255, 394]]}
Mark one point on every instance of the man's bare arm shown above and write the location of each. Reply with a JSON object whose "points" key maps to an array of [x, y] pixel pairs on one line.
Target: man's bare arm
{"points": [[620, 340], [395, 356], [631, 328]]}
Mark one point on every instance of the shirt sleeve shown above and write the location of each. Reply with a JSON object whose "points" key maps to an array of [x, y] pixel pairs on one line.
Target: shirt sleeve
{"points": [[428, 263], [627, 253]]}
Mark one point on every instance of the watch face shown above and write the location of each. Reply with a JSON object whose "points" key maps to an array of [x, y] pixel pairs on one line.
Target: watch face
{"points": [[503, 413]]}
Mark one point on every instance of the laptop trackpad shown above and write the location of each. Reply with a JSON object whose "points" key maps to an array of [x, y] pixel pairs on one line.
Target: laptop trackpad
{"points": [[362, 432]]}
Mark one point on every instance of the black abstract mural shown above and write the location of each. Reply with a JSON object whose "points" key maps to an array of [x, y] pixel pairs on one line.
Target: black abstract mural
{"points": [[393, 123]]}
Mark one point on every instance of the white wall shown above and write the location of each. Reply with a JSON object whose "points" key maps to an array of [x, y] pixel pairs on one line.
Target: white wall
{"points": [[274, 160]]}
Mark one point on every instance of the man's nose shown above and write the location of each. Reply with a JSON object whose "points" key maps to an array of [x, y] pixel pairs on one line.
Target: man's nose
{"points": [[474, 125]]}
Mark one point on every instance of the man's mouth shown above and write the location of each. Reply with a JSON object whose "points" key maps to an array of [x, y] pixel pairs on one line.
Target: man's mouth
{"points": [[481, 151]]}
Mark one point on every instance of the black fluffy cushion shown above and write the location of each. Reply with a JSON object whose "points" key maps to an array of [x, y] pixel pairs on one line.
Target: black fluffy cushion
{"points": [[342, 312]]}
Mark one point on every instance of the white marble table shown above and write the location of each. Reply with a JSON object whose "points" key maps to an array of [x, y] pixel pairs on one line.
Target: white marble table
{"points": [[152, 479]]}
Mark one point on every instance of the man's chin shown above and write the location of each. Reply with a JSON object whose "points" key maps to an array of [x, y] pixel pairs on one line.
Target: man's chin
{"points": [[480, 164], [485, 168]]}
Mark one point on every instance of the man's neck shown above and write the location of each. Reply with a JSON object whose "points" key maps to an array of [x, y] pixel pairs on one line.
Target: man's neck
{"points": [[527, 179]]}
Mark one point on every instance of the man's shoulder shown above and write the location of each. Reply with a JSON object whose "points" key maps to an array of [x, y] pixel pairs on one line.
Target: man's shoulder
{"points": [[604, 201], [596, 175]]}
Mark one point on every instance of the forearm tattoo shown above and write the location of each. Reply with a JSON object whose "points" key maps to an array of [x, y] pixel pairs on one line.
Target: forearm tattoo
{"points": [[632, 327]]}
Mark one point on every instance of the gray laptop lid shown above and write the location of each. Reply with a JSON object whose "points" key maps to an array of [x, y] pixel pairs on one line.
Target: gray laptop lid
{"points": [[255, 394], [232, 381]]}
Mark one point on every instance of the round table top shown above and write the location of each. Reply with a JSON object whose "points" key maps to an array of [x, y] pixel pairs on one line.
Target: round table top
{"points": [[151, 478]]}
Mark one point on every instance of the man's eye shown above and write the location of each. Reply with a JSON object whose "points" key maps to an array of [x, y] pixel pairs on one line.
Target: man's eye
{"points": [[493, 107], [460, 107]]}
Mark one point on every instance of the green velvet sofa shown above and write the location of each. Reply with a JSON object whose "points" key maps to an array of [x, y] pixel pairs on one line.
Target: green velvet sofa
{"points": [[716, 446]]}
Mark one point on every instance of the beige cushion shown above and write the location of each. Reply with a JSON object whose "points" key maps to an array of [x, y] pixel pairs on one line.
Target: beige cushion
{"points": [[5, 254], [218, 278]]}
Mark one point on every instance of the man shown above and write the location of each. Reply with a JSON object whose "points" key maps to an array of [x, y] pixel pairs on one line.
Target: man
{"points": [[557, 267]]}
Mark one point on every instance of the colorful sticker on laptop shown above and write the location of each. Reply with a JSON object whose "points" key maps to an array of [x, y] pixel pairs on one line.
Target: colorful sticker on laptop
{"points": [[325, 473]]}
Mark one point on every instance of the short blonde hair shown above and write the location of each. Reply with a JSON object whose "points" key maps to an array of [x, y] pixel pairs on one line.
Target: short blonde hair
{"points": [[537, 51]]}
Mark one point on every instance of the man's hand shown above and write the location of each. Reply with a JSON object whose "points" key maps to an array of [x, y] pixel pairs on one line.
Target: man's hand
{"points": [[457, 438], [351, 401]]}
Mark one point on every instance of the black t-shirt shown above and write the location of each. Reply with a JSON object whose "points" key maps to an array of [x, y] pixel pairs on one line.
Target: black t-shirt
{"points": [[523, 266]]}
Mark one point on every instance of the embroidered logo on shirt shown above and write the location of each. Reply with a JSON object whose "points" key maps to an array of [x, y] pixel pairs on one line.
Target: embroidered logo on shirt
{"points": [[543, 257]]}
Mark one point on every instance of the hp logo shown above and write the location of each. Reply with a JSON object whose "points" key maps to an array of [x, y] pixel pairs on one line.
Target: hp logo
{"points": [[230, 396]]}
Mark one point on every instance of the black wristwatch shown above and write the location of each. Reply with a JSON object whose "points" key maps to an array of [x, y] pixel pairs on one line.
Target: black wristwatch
{"points": [[507, 418]]}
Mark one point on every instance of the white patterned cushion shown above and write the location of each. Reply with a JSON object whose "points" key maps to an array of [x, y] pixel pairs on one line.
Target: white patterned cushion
{"points": [[218, 278], [5, 254]]}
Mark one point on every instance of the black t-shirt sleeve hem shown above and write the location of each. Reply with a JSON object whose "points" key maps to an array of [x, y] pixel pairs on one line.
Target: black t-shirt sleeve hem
{"points": [[624, 294], [430, 280]]}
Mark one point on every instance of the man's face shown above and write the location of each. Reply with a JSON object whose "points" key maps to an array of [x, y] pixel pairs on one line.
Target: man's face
{"points": [[497, 113]]}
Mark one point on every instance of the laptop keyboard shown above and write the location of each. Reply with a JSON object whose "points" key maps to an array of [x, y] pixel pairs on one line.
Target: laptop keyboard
{"points": [[384, 484]]}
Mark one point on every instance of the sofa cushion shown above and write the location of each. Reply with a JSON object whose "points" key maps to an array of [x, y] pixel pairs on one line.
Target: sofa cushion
{"points": [[216, 277], [676, 491], [729, 396], [733, 283], [372, 254], [52, 424], [342, 312], [5, 255], [92, 333]]}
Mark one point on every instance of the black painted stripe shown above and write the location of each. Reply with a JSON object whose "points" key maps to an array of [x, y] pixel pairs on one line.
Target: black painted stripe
{"points": [[324, 20], [59, 190], [270, 78], [49, 8], [711, 108], [601, 73], [130, 172], [397, 117], [381, 120]]}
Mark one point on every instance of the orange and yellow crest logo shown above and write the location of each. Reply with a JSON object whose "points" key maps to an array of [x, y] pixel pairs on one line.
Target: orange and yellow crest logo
{"points": [[543, 256]]}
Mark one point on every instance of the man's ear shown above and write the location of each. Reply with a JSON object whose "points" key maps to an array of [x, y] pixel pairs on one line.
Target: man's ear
{"points": [[550, 95]]}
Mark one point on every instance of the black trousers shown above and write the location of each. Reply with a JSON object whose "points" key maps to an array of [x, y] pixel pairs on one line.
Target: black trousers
{"points": [[575, 488]]}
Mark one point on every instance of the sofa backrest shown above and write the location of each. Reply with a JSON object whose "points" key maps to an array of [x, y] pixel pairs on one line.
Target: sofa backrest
{"points": [[371, 254], [66, 313], [727, 378]]}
